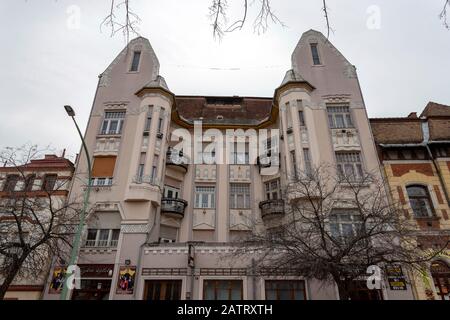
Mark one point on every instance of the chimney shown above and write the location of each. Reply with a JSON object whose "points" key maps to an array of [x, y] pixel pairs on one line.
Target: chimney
{"points": [[63, 153], [413, 115]]}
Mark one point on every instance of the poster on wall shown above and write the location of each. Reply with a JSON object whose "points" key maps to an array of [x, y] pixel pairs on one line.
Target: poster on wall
{"points": [[396, 278], [57, 282], [125, 284]]}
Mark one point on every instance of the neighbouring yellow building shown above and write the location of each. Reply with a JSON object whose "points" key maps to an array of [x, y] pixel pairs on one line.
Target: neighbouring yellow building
{"points": [[415, 154]]}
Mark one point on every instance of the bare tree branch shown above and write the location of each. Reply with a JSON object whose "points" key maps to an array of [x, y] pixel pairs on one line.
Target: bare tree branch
{"points": [[444, 14]]}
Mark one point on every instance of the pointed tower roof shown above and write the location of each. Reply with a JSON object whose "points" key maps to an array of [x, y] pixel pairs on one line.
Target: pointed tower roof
{"points": [[293, 76], [156, 84]]}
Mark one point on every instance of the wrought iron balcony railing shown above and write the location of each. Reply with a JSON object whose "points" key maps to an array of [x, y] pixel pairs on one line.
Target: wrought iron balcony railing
{"points": [[172, 205], [271, 207]]}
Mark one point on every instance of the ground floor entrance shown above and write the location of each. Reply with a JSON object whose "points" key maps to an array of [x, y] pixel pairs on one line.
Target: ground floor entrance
{"points": [[440, 272], [93, 289]]}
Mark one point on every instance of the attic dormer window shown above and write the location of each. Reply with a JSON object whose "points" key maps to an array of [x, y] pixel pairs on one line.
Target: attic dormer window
{"points": [[135, 62], [315, 54]]}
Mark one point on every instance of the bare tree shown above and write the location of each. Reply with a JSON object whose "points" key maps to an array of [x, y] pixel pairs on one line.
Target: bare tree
{"points": [[121, 18], [334, 227], [443, 15], [35, 225]]}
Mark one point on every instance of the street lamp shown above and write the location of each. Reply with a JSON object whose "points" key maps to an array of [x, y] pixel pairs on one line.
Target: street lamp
{"points": [[76, 242]]}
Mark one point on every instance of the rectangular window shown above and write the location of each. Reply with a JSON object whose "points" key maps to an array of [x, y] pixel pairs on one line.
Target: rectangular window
{"points": [[171, 192], [239, 196], [160, 125], [162, 290], [155, 169], [113, 122], [240, 153], [315, 53], [91, 238], [285, 290], [349, 165], [205, 197], [294, 163], [141, 166], [148, 121], [339, 117], [301, 117], [102, 237], [345, 224], [307, 159], [49, 182], [135, 62], [273, 189], [222, 290]]}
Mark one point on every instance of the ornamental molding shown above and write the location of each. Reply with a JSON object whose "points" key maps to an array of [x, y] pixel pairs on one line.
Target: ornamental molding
{"points": [[135, 228]]}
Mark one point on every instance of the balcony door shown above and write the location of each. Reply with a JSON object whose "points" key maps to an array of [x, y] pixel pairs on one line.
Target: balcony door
{"points": [[171, 192]]}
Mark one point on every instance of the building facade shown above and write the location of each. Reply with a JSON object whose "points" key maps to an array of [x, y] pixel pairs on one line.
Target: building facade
{"points": [[40, 178], [415, 156], [165, 214]]}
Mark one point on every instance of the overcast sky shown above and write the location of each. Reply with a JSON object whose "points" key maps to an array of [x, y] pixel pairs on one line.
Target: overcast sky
{"points": [[48, 59]]}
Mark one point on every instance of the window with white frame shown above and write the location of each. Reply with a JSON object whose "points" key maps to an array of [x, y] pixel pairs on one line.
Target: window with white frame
{"points": [[239, 153], [239, 196], [345, 224], [113, 122], [205, 197], [349, 165], [339, 117], [102, 237], [273, 189]]}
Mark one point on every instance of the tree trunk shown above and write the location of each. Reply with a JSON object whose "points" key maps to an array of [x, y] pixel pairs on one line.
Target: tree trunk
{"points": [[344, 288], [9, 278]]}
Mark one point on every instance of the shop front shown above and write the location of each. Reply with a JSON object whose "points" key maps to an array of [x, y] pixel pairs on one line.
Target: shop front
{"points": [[96, 282]]}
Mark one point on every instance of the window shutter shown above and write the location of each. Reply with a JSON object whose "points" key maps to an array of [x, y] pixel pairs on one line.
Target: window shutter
{"points": [[103, 167]]}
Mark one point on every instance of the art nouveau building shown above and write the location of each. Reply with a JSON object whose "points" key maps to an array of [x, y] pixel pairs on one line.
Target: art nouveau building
{"points": [[168, 224]]}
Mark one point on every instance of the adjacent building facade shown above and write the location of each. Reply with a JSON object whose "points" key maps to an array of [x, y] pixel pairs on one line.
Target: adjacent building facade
{"points": [[165, 214], [50, 176], [415, 156]]}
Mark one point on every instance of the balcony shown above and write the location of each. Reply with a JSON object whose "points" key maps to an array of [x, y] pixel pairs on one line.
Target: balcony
{"points": [[173, 206], [177, 160], [270, 208]]}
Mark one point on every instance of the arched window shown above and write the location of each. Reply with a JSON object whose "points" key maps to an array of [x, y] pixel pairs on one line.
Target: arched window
{"points": [[420, 201], [441, 277]]}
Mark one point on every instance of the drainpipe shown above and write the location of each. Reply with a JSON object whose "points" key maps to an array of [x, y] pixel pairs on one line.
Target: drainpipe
{"points": [[426, 141]]}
